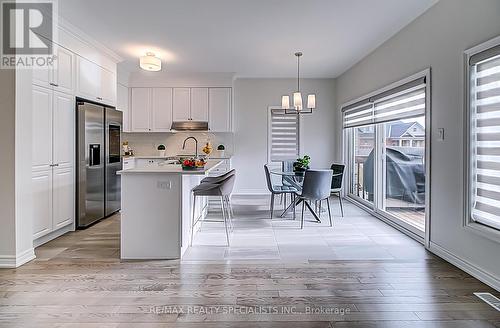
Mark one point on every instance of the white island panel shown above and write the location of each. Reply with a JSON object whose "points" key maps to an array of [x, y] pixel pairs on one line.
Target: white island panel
{"points": [[150, 222]]}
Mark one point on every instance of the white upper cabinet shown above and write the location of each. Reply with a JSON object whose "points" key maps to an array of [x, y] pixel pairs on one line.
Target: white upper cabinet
{"points": [[42, 77], [154, 109], [199, 104], [64, 130], [95, 83], [63, 74], [89, 79], [122, 104], [140, 109], [181, 104], [42, 128], [161, 113], [108, 86], [220, 109], [61, 77]]}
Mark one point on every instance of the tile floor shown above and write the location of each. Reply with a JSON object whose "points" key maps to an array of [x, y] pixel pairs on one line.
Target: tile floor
{"points": [[356, 236]]}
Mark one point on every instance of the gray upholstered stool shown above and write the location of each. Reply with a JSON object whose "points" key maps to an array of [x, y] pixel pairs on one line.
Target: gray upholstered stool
{"points": [[227, 198], [219, 178], [222, 189]]}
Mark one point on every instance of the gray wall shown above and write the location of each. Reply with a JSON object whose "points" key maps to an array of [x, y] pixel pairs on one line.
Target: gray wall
{"points": [[252, 97], [437, 39]]}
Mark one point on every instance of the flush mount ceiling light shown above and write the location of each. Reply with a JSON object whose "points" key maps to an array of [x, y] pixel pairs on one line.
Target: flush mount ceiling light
{"points": [[150, 62], [297, 97]]}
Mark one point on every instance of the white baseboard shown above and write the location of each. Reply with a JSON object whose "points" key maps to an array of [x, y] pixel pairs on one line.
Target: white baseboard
{"points": [[471, 269], [11, 261], [53, 235]]}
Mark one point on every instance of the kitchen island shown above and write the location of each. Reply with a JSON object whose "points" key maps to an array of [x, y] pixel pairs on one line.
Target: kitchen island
{"points": [[156, 210]]}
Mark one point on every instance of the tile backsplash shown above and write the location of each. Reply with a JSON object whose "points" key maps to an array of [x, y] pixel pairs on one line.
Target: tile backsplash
{"points": [[145, 144]]}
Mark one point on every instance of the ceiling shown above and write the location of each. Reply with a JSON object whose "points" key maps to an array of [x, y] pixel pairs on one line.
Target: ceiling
{"points": [[250, 38]]}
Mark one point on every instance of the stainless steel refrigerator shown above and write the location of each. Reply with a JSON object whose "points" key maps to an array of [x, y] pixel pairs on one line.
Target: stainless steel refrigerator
{"points": [[99, 158]]}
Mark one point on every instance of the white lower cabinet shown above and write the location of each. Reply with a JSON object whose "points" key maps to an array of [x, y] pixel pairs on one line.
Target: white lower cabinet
{"points": [[42, 203], [63, 198], [53, 200]]}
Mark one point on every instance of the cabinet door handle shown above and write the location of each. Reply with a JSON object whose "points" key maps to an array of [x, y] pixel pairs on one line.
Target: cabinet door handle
{"points": [[54, 84]]}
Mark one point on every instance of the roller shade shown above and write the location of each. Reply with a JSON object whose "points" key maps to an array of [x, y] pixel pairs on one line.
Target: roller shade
{"points": [[402, 102], [284, 136], [485, 137]]}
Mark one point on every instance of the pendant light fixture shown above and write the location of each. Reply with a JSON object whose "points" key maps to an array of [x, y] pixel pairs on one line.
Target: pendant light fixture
{"points": [[150, 62], [297, 107]]}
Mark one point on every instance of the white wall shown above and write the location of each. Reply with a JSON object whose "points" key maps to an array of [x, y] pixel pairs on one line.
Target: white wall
{"points": [[252, 97], [16, 233], [7, 163], [437, 39]]}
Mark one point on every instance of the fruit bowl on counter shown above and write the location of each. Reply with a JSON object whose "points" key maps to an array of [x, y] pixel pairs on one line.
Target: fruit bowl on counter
{"points": [[190, 164]]}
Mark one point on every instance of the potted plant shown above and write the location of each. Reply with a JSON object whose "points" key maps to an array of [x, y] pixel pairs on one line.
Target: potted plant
{"points": [[301, 164], [220, 150], [161, 150]]}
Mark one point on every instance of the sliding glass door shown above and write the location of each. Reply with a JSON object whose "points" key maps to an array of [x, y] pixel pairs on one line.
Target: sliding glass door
{"points": [[385, 139], [402, 170]]}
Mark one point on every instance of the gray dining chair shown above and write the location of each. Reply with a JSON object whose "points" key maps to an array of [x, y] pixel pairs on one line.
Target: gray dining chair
{"points": [[337, 180], [277, 189], [316, 187]]}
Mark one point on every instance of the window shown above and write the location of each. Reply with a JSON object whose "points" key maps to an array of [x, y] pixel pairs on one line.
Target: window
{"points": [[283, 137], [385, 143], [484, 134]]}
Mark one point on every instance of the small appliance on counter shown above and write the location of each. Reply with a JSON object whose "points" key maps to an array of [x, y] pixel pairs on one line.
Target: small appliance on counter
{"points": [[127, 151]]}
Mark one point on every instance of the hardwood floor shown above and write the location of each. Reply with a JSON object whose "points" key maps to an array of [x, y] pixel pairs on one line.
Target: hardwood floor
{"points": [[78, 280]]}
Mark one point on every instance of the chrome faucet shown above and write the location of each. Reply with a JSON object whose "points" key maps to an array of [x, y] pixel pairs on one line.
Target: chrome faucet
{"points": [[196, 145]]}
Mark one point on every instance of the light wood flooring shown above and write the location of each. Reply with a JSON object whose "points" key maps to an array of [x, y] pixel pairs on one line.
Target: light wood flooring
{"points": [[78, 280]]}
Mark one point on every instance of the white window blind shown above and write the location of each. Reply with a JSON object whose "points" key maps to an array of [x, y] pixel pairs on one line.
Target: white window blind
{"points": [[402, 102], [484, 69], [283, 136]]}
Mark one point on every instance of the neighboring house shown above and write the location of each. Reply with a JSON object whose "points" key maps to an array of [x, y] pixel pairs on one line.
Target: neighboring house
{"points": [[400, 134]]}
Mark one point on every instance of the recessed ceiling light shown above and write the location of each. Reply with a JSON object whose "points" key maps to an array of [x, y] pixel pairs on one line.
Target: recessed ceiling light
{"points": [[150, 62]]}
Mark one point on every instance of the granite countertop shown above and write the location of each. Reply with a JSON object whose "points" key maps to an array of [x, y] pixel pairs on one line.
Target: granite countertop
{"points": [[172, 168]]}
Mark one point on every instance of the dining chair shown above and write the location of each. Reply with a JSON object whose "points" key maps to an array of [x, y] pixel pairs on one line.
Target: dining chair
{"points": [[316, 187], [277, 189], [337, 181]]}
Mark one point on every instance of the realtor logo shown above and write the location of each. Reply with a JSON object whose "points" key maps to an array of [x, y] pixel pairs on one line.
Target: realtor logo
{"points": [[27, 31]]}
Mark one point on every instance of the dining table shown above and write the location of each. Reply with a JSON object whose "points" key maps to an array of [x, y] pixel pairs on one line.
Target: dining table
{"points": [[296, 179]]}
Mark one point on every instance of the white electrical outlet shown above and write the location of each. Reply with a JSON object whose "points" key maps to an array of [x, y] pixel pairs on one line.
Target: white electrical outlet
{"points": [[164, 185]]}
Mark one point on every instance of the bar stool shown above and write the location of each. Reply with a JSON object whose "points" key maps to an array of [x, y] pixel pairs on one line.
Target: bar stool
{"points": [[223, 190], [217, 180]]}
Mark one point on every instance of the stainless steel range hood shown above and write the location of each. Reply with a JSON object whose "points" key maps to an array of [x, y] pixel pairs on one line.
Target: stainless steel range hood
{"points": [[189, 126]]}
